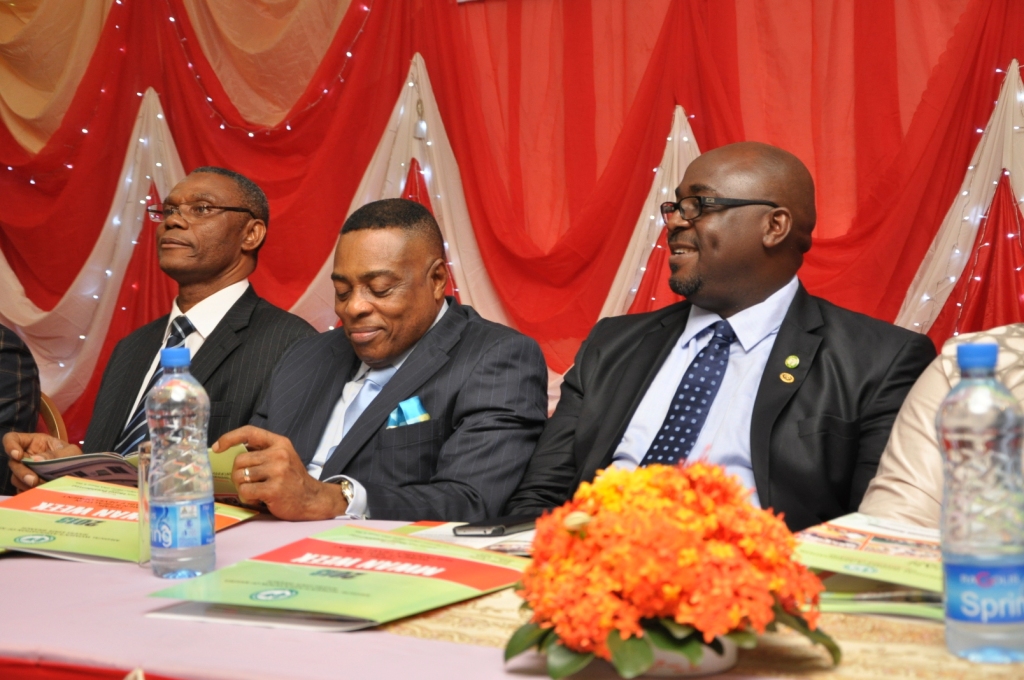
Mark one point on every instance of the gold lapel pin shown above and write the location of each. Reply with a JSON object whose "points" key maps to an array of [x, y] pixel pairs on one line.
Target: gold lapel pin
{"points": [[792, 361], [786, 377]]}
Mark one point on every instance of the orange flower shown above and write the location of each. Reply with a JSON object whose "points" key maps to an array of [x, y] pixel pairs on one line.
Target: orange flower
{"points": [[663, 542]]}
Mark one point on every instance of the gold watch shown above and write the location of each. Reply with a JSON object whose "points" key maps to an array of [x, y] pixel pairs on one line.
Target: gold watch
{"points": [[348, 490]]}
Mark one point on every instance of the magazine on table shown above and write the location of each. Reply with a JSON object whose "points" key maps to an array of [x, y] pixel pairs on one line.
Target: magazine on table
{"points": [[875, 566]]}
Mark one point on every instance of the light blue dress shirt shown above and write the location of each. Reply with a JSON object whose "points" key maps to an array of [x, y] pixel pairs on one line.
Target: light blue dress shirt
{"points": [[359, 507], [725, 437]]}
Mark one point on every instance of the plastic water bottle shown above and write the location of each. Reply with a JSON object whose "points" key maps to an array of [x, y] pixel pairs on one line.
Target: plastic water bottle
{"points": [[180, 479], [979, 427]]}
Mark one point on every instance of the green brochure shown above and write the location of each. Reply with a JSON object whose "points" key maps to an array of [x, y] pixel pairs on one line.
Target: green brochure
{"points": [[875, 566], [81, 519], [345, 578]]}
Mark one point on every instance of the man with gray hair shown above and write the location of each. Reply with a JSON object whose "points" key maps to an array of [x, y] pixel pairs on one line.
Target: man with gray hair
{"points": [[211, 228]]}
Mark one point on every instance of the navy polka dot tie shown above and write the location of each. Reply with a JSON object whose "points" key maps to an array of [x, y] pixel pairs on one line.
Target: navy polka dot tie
{"points": [[690, 406]]}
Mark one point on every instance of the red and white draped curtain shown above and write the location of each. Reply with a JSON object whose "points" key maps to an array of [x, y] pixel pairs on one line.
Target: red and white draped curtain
{"points": [[542, 135]]}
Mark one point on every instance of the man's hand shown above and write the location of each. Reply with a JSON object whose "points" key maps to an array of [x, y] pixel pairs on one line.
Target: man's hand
{"points": [[34, 446], [278, 478]]}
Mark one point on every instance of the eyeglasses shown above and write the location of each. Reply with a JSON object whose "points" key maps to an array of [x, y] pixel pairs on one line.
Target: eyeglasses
{"points": [[191, 212], [691, 207]]}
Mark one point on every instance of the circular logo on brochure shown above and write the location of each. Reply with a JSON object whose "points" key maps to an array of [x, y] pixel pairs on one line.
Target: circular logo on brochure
{"points": [[273, 595], [860, 568], [34, 539]]}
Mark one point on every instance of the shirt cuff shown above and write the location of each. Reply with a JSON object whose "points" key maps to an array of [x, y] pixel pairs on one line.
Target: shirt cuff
{"points": [[359, 507]]}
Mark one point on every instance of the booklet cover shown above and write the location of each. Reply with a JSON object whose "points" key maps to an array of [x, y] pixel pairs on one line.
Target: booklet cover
{"points": [[872, 565], [115, 469], [345, 578], [77, 518]]}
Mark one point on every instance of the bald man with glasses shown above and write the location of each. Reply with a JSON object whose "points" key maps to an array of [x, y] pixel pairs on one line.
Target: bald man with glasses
{"points": [[210, 230], [790, 393]]}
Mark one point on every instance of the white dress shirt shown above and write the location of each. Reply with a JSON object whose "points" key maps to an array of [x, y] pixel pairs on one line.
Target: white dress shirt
{"points": [[204, 316], [725, 438], [359, 507]]}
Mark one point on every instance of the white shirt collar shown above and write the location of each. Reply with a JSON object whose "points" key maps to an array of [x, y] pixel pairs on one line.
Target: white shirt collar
{"points": [[208, 312], [753, 324], [397, 363]]}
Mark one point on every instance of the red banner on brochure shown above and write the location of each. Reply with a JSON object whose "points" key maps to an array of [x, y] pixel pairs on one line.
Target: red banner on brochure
{"points": [[318, 554]]}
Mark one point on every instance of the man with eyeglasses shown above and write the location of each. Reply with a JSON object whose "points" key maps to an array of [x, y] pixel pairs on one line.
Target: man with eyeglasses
{"points": [[790, 393], [210, 230]]}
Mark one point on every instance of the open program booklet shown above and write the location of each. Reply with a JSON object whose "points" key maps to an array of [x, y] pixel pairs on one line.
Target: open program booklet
{"points": [[875, 566], [123, 470]]}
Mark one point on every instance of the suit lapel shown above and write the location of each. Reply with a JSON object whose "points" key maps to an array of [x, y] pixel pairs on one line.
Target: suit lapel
{"points": [[632, 382], [133, 372], [224, 338], [322, 397], [430, 355], [794, 339]]}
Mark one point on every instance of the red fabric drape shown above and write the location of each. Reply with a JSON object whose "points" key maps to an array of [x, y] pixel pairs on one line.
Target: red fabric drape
{"points": [[991, 290], [146, 294], [555, 138]]}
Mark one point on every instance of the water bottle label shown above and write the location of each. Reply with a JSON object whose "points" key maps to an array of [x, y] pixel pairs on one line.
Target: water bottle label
{"points": [[188, 525], [985, 594]]}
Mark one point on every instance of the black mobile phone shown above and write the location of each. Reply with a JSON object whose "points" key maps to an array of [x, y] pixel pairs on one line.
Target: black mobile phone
{"points": [[499, 526]]}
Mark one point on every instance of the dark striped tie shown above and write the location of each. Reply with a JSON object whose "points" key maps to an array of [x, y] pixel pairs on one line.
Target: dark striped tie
{"points": [[137, 430], [690, 406]]}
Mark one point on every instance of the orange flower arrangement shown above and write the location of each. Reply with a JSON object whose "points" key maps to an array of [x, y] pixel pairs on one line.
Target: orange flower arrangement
{"points": [[661, 550]]}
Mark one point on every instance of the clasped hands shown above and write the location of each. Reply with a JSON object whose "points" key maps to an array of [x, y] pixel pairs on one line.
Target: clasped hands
{"points": [[277, 478]]}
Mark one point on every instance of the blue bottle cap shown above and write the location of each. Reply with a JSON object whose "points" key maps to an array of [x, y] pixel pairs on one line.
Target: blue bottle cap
{"points": [[977, 356], [175, 357]]}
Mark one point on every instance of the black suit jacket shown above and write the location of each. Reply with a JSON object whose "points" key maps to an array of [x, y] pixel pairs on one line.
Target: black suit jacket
{"points": [[234, 366], [484, 386], [814, 443], [19, 393]]}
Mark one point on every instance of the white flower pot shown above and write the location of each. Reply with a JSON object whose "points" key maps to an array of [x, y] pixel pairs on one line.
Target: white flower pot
{"points": [[673, 665]]}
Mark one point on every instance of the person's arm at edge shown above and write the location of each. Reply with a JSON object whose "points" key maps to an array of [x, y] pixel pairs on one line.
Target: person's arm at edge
{"points": [[908, 486], [552, 469], [876, 425]]}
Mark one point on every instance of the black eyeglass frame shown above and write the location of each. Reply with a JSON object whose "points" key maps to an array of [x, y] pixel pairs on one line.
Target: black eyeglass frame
{"points": [[156, 212], [669, 207]]}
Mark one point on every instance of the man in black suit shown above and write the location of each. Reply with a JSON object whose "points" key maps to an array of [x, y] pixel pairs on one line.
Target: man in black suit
{"points": [[212, 225], [792, 394], [19, 391], [416, 408]]}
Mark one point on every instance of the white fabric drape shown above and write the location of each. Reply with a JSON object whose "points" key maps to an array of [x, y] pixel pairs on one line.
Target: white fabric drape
{"points": [[385, 178], [66, 341], [680, 150], [1001, 148]]}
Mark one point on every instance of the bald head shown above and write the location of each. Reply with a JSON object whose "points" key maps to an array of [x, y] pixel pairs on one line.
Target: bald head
{"points": [[750, 209], [773, 174]]}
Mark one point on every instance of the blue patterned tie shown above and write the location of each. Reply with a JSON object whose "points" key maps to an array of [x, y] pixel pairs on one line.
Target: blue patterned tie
{"points": [[137, 430], [690, 406], [375, 381]]}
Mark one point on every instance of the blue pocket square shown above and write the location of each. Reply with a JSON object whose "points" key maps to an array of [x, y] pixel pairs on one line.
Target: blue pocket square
{"points": [[408, 412]]}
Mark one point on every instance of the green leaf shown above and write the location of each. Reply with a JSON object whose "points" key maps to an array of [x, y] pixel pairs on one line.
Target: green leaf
{"points": [[678, 630], [563, 662], [632, 656], [744, 639], [659, 637], [528, 635], [816, 636], [693, 649]]}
